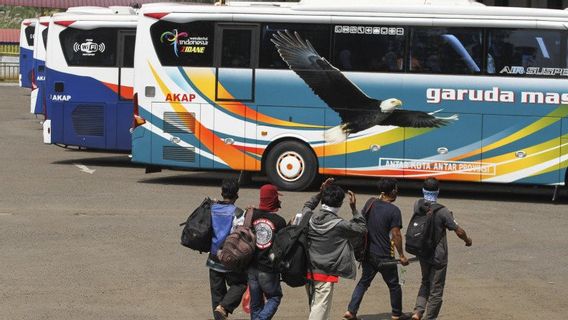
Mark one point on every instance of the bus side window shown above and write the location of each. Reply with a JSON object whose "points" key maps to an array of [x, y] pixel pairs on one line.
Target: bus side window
{"points": [[236, 48], [317, 35], [521, 52], [128, 51], [374, 49], [446, 50]]}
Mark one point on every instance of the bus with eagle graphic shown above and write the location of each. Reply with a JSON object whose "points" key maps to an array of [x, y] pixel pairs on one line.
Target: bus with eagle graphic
{"points": [[454, 90]]}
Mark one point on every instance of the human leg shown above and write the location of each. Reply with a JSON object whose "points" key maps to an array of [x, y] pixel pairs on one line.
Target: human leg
{"points": [[237, 282], [437, 283], [217, 286], [270, 286], [390, 276], [369, 272], [424, 291], [322, 301], [256, 295]]}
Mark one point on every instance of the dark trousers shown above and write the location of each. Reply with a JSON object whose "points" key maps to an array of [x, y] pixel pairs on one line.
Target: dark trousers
{"points": [[431, 290], [390, 276], [231, 298]]}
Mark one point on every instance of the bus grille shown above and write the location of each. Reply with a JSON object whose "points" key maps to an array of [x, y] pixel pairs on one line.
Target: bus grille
{"points": [[179, 122], [89, 120], [178, 153]]}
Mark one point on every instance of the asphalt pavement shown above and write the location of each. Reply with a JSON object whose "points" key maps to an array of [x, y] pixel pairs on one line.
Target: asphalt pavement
{"points": [[88, 235]]}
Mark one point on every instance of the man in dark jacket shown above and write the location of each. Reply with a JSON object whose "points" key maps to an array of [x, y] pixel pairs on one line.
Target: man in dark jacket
{"points": [[434, 266], [330, 252], [384, 222], [224, 216], [263, 279]]}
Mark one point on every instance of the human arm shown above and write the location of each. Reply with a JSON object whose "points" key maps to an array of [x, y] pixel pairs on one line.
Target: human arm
{"points": [[460, 232], [356, 226], [397, 239], [313, 202]]}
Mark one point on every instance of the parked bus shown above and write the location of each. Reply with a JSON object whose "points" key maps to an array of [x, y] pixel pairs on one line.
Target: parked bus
{"points": [[89, 79], [460, 92], [37, 97], [27, 31]]}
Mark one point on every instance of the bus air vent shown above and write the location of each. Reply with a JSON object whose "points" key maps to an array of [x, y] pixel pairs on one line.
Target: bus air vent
{"points": [[178, 153], [89, 120], [179, 122]]}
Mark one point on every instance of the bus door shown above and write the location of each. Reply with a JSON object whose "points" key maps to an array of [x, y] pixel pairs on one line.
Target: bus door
{"points": [[236, 47], [126, 40], [522, 149]]}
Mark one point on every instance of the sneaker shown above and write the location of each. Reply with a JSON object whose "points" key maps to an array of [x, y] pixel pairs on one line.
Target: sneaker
{"points": [[349, 316], [220, 313]]}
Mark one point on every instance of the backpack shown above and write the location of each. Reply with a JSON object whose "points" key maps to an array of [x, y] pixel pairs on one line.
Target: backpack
{"points": [[361, 244], [420, 237], [238, 248], [197, 232], [289, 252]]}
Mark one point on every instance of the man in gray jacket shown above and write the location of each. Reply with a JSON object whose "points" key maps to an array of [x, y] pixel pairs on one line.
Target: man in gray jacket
{"points": [[330, 252]]}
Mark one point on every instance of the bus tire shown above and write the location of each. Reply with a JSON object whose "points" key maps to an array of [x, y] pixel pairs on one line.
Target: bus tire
{"points": [[291, 165]]}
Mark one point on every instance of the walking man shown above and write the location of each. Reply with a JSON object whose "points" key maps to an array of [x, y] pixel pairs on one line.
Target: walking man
{"points": [[224, 217], [434, 266], [384, 222], [263, 279], [330, 253]]}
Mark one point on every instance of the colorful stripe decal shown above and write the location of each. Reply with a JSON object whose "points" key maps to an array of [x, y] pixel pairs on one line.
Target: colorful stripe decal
{"points": [[540, 124], [229, 154], [203, 80]]}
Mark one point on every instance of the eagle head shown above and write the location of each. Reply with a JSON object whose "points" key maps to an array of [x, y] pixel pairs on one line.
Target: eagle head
{"points": [[390, 105]]}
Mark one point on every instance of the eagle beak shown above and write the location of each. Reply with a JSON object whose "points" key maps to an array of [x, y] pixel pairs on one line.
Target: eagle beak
{"points": [[397, 103]]}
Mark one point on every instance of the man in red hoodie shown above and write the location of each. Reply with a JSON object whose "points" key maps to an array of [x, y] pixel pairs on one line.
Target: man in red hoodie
{"points": [[263, 279]]}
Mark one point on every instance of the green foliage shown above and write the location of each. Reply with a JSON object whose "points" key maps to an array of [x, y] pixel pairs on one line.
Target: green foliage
{"points": [[11, 16]]}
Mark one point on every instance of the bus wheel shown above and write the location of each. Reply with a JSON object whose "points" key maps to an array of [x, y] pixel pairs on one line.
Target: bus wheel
{"points": [[291, 165]]}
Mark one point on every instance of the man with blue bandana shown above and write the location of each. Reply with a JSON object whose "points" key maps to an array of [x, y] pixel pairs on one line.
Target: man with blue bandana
{"points": [[434, 266]]}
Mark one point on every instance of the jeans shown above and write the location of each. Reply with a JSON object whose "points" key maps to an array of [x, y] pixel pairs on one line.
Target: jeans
{"points": [[431, 290], [231, 298], [263, 285], [390, 277]]}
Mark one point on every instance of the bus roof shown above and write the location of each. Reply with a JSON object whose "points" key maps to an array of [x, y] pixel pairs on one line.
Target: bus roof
{"points": [[370, 8]]}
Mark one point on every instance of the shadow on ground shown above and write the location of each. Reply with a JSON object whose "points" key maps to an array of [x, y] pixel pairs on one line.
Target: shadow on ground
{"points": [[407, 188], [104, 160]]}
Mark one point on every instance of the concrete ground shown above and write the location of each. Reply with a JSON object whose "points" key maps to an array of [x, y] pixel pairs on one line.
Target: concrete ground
{"points": [[105, 245]]}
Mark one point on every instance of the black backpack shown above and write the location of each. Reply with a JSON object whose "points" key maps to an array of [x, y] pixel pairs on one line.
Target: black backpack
{"points": [[361, 244], [289, 252], [420, 235], [197, 231]]}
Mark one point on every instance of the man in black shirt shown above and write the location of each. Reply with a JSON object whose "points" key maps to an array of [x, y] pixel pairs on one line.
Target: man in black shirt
{"points": [[263, 279], [434, 266], [384, 222]]}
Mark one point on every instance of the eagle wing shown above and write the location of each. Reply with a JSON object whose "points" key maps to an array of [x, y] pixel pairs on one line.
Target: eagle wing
{"points": [[413, 119], [326, 81]]}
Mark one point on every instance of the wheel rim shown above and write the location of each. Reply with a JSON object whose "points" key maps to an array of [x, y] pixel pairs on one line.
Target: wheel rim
{"points": [[290, 166]]}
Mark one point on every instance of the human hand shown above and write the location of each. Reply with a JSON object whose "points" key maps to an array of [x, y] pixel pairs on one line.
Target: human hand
{"points": [[352, 200], [468, 242], [404, 261], [328, 182]]}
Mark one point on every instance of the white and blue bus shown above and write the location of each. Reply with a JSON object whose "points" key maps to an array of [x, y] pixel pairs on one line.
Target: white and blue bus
{"points": [[89, 79], [27, 32], [458, 91], [37, 97]]}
